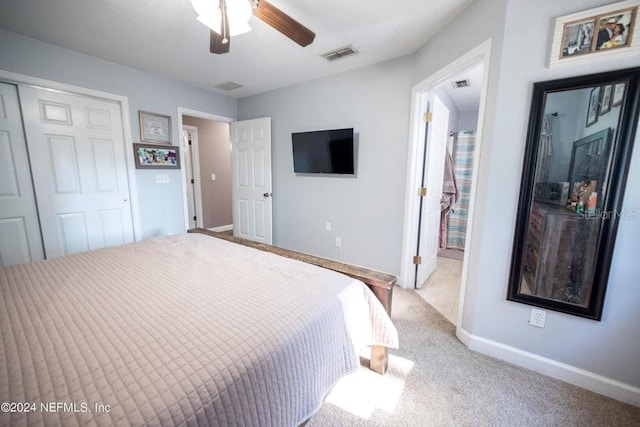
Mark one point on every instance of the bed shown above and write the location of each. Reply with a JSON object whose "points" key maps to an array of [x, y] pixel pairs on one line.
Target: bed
{"points": [[179, 330]]}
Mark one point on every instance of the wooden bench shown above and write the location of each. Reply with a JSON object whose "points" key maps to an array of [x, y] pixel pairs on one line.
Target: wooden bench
{"points": [[380, 283]]}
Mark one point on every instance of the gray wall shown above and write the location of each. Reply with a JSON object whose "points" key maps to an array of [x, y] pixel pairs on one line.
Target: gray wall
{"points": [[365, 211], [468, 120], [145, 91], [214, 149], [610, 348]]}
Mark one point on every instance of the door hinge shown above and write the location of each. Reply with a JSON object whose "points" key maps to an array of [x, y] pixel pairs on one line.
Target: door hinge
{"points": [[422, 191], [427, 117], [189, 142], [194, 218], [417, 260], [193, 181]]}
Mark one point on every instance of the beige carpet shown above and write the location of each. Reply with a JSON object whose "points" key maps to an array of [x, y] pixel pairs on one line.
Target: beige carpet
{"points": [[434, 380]]}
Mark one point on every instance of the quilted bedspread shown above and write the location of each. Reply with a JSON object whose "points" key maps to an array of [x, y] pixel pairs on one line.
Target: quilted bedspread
{"points": [[178, 330]]}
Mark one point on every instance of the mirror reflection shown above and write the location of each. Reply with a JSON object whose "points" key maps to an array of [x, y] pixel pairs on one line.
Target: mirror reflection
{"points": [[565, 214]]}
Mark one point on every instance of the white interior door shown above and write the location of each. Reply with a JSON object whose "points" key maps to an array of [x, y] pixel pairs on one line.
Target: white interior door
{"points": [[20, 240], [251, 169], [76, 147], [436, 145]]}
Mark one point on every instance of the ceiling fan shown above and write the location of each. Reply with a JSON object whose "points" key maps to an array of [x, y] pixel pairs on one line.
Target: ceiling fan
{"points": [[231, 17]]}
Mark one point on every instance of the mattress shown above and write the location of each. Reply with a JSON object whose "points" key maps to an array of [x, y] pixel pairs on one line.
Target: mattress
{"points": [[178, 330]]}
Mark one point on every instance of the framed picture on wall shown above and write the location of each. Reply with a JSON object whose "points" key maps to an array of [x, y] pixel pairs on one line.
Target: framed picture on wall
{"points": [[594, 102], [149, 156], [154, 128], [618, 94], [596, 34], [605, 100]]}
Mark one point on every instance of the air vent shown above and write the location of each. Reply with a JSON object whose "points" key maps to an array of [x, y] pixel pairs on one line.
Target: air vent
{"points": [[457, 84], [228, 85], [339, 53]]}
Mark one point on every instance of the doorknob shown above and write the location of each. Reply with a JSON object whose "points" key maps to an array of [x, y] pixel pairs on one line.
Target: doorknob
{"points": [[268, 194]]}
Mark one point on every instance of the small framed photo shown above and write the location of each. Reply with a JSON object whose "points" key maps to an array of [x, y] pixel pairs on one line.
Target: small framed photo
{"points": [[618, 94], [577, 38], [149, 156], [595, 34], [593, 110], [605, 99], [154, 128]]}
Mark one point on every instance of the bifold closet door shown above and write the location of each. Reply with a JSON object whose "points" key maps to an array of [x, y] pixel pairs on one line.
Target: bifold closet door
{"points": [[76, 147], [20, 240]]}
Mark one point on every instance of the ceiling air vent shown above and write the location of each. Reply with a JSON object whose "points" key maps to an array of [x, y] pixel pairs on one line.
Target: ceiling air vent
{"points": [[457, 84], [339, 53], [228, 85]]}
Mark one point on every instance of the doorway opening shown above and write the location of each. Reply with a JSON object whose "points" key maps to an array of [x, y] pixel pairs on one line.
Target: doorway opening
{"points": [[442, 171], [206, 175], [440, 285]]}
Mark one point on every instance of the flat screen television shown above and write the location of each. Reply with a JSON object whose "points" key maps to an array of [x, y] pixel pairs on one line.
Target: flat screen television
{"points": [[324, 151]]}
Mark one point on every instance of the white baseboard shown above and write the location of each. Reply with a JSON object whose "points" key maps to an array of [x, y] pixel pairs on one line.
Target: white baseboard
{"points": [[579, 377], [222, 228], [463, 336]]}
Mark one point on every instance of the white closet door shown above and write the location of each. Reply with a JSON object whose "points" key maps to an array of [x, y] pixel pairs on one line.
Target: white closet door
{"points": [[76, 146], [20, 240]]}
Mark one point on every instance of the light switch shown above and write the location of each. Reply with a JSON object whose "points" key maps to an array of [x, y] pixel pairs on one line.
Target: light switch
{"points": [[213, 177], [162, 179]]}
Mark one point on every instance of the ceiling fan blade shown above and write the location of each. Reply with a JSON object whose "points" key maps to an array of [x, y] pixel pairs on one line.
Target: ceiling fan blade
{"points": [[282, 22], [220, 43]]}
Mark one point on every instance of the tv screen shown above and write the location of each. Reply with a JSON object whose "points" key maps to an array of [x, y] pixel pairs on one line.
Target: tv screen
{"points": [[325, 151]]}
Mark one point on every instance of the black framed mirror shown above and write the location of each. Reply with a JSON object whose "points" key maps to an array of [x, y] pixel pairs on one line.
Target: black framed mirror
{"points": [[579, 143]]}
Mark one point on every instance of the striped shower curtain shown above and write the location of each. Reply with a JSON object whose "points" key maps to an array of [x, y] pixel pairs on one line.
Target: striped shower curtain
{"points": [[463, 144]]}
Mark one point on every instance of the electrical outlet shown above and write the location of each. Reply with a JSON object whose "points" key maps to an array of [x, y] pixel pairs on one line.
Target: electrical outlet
{"points": [[327, 226], [338, 242], [537, 318]]}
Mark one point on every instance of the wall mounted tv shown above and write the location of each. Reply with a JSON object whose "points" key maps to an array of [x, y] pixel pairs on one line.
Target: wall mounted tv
{"points": [[324, 151]]}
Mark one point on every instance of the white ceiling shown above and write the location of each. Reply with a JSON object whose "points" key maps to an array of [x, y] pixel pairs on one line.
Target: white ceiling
{"points": [[466, 98], [163, 37]]}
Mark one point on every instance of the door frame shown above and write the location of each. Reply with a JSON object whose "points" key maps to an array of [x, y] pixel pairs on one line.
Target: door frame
{"points": [[419, 92], [23, 79], [195, 168], [196, 171]]}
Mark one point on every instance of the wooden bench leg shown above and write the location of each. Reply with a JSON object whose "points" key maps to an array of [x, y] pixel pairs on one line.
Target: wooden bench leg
{"points": [[379, 359]]}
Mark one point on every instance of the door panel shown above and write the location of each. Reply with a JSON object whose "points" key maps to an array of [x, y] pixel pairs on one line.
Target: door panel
{"points": [[73, 232], [20, 239], [76, 146], [105, 164], [14, 242], [433, 176], [251, 164]]}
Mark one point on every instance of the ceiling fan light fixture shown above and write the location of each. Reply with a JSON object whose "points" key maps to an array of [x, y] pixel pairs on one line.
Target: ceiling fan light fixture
{"points": [[238, 12]]}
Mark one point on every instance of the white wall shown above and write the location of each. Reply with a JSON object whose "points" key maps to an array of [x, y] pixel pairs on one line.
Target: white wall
{"points": [[610, 348], [365, 211], [145, 91]]}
